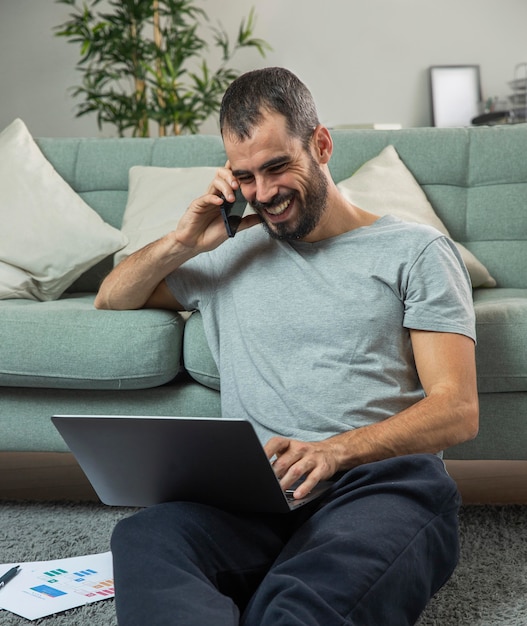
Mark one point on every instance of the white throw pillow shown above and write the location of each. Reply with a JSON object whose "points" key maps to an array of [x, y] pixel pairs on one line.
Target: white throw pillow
{"points": [[157, 198], [385, 186], [50, 236]]}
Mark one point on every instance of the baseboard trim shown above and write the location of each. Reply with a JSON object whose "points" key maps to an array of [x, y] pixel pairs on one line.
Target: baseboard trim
{"points": [[43, 476], [56, 476], [490, 482]]}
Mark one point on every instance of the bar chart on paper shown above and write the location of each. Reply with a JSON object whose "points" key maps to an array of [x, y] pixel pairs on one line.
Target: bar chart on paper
{"points": [[46, 587], [60, 582]]}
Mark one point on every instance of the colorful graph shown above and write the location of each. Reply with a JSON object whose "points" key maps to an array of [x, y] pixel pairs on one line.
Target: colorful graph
{"points": [[84, 582], [45, 587]]}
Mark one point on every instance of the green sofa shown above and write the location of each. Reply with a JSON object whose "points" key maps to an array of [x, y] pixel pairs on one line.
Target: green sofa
{"points": [[63, 356]]}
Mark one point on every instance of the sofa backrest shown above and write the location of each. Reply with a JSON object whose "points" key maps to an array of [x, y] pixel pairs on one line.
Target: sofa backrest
{"points": [[475, 178]]}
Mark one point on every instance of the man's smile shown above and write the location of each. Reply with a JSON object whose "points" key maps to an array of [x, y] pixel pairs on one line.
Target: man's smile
{"points": [[279, 209]]}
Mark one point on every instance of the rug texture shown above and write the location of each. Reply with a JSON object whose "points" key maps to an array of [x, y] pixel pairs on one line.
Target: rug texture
{"points": [[489, 587]]}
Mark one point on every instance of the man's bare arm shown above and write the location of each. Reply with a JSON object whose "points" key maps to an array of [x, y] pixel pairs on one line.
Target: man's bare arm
{"points": [[139, 280]]}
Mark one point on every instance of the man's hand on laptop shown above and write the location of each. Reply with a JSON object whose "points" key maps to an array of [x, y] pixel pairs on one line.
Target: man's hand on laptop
{"points": [[294, 459]]}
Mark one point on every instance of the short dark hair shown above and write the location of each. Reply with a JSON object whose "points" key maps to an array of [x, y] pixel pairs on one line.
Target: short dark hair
{"points": [[274, 90]]}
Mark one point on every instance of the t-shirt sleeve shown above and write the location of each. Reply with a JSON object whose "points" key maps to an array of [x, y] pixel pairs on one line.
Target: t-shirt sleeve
{"points": [[192, 283], [438, 294]]}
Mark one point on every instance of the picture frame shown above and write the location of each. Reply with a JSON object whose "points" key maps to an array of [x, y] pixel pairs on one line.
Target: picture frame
{"points": [[455, 94]]}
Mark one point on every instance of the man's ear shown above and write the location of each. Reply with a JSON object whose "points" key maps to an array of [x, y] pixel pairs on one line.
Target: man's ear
{"points": [[322, 144]]}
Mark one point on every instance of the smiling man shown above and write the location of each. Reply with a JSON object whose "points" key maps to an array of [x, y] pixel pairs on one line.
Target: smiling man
{"points": [[348, 341], [286, 213]]}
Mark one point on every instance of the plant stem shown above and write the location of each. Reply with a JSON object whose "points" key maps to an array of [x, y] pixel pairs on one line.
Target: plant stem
{"points": [[158, 41], [140, 84]]}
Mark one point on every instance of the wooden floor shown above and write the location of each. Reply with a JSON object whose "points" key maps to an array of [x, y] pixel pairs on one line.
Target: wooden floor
{"points": [[56, 476]]}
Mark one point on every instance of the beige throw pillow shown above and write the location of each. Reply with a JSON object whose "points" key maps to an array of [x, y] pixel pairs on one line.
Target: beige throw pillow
{"points": [[50, 236], [157, 198], [385, 186]]}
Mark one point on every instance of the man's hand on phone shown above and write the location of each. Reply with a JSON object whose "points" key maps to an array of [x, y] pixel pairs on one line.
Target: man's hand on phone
{"points": [[203, 227]]}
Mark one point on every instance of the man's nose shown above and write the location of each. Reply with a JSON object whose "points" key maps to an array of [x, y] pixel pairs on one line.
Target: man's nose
{"points": [[265, 190]]}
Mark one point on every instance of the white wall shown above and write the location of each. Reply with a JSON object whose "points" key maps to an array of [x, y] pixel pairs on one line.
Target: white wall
{"points": [[364, 60]]}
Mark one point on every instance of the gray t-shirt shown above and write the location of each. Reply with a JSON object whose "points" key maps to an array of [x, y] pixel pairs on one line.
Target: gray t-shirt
{"points": [[312, 339]]}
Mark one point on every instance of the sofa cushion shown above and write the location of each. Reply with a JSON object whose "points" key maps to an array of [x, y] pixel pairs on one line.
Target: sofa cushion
{"points": [[384, 185], [157, 198], [197, 356], [68, 344], [50, 236], [501, 326]]}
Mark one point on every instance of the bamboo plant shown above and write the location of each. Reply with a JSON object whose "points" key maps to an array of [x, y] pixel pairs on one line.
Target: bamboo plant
{"points": [[143, 61]]}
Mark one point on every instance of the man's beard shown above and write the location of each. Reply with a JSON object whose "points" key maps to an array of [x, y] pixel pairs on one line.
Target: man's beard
{"points": [[310, 212]]}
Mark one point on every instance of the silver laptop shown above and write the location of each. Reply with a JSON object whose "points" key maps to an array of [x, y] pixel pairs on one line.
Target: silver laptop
{"points": [[140, 461]]}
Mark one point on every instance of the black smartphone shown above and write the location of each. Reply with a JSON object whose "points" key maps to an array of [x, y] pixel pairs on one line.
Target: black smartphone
{"points": [[232, 212]]}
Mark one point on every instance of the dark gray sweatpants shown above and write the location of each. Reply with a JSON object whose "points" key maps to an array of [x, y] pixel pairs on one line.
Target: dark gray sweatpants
{"points": [[371, 552]]}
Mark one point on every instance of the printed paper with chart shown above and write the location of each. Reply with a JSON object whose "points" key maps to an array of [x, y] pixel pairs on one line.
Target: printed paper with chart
{"points": [[46, 587]]}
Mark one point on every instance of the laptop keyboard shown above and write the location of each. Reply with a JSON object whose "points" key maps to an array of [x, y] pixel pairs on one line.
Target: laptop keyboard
{"points": [[289, 495], [289, 492]]}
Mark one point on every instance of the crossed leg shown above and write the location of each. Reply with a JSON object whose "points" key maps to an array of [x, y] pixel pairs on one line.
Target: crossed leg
{"points": [[373, 551]]}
